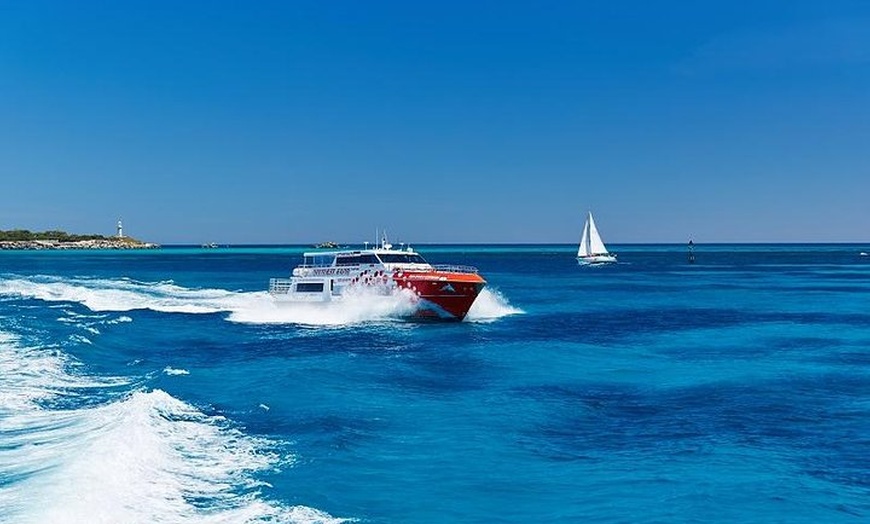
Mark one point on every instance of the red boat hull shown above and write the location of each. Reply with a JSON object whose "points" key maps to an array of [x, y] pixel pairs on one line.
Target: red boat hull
{"points": [[443, 295]]}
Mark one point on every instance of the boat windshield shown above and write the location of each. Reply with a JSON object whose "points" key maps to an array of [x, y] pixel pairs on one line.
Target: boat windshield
{"points": [[318, 260], [353, 260], [391, 258]]}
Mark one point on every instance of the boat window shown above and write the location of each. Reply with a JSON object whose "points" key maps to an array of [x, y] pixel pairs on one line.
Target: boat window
{"points": [[394, 258], [368, 259], [309, 287], [347, 261], [318, 260]]}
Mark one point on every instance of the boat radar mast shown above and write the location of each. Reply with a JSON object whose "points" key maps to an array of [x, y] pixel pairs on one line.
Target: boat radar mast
{"points": [[385, 244]]}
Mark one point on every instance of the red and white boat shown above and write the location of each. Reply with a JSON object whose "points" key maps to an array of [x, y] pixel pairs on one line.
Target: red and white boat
{"points": [[437, 291]]}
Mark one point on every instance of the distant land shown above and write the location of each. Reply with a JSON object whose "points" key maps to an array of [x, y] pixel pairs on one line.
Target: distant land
{"points": [[24, 239]]}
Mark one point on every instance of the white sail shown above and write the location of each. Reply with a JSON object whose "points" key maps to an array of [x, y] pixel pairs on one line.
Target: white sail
{"points": [[584, 242], [596, 245]]}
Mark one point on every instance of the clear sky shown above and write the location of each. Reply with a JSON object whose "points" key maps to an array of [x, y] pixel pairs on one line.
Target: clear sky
{"points": [[304, 121]]}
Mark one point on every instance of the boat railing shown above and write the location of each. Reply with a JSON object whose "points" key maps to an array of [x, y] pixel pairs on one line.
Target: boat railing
{"points": [[280, 286], [452, 268]]}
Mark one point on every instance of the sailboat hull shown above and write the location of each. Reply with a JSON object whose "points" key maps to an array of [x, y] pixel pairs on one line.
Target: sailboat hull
{"points": [[596, 259]]}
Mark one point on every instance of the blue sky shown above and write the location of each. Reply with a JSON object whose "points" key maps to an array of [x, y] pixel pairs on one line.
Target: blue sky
{"points": [[298, 121]]}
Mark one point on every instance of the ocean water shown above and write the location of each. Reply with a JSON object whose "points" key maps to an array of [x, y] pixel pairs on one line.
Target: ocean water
{"points": [[164, 386]]}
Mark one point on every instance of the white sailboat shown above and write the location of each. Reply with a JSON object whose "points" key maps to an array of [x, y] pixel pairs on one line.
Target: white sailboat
{"points": [[592, 249]]}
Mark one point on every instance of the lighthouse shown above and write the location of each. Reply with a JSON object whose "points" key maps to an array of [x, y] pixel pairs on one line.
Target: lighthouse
{"points": [[120, 229]]}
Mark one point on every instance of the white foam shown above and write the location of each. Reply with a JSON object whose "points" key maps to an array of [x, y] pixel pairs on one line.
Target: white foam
{"points": [[146, 458], [143, 457], [90, 323], [120, 294], [354, 308], [490, 305], [173, 371], [80, 339], [32, 375]]}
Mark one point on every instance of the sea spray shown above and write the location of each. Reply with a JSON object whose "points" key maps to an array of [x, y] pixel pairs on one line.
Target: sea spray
{"points": [[490, 305], [360, 306]]}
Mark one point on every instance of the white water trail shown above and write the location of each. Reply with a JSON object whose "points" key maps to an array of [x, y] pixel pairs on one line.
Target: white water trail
{"points": [[147, 458], [101, 295], [121, 294], [137, 457], [30, 376]]}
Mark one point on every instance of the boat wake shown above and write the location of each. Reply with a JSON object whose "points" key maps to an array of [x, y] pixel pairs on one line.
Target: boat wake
{"points": [[120, 295], [361, 306], [138, 456]]}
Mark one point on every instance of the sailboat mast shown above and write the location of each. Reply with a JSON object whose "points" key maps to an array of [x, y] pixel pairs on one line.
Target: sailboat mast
{"points": [[589, 234], [591, 224]]}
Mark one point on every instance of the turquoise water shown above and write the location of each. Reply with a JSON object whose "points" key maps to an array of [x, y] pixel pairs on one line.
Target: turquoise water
{"points": [[164, 386]]}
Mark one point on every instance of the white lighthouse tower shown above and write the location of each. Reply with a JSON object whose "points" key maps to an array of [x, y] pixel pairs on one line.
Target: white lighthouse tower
{"points": [[120, 229]]}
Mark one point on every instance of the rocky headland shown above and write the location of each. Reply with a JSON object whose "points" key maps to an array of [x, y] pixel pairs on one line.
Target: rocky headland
{"points": [[77, 244]]}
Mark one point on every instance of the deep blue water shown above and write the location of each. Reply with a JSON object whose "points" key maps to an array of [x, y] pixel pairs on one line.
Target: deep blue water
{"points": [[164, 386]]}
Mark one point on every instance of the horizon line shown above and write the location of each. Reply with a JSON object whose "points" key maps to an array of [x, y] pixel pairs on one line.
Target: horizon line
{"points": [[720, 243]]}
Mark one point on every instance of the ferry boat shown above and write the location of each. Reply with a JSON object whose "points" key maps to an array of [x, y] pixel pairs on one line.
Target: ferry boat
{"points": [[444, 292]]}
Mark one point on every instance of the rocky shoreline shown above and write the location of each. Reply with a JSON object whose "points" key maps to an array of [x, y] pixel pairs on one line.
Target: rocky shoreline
{"points": [[115, 243]]}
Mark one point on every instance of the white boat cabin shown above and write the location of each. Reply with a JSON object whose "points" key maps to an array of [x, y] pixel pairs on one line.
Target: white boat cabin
{"points": [[325, 276]]}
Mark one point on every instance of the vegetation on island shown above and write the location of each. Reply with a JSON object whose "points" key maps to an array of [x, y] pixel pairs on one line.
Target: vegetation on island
{"points": [[56, 239], [23, 235]]}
